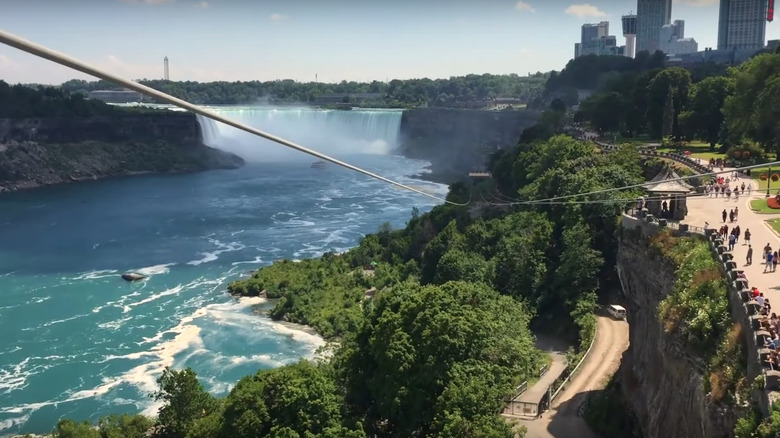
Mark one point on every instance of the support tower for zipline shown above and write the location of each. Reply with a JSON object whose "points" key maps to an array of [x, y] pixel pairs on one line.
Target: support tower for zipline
{"points": [[165, 67]]}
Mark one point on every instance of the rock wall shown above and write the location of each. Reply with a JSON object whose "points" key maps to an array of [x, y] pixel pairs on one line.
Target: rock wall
{"points": [[35, 152], [458, 141], [662, 382]]}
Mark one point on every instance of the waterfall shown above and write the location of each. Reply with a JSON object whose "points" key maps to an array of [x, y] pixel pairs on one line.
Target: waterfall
{"points": [[332, 132]]}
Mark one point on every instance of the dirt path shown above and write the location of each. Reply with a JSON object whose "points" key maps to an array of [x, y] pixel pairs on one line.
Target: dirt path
{"points": [[562, 420]]}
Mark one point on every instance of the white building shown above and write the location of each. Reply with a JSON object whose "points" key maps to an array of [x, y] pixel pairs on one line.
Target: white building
{"points": [[672, 39]]}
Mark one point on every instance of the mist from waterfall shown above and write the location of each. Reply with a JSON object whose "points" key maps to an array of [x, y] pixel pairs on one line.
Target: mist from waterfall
{"points": [[333, 132]]}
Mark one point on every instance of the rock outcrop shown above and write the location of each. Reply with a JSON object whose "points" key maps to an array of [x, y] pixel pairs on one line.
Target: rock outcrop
{"points": [[36, 152], [459, 141], [662, 381]]}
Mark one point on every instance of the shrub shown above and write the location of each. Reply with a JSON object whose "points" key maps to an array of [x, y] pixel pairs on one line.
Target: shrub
{"points": [[772, 203], [763, 177], [745, 154], [736, 153], [775, 177]]}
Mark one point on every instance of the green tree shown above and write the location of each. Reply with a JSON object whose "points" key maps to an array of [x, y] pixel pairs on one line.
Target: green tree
{"points": [[748, 110], [668, 115], [124, 426], [184, 402], [679, 80], [70, 429], [708, 98], [422, 343], [298, 400]]}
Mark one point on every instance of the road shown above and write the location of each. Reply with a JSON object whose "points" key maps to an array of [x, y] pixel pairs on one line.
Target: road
{"points": [[562, 420]]}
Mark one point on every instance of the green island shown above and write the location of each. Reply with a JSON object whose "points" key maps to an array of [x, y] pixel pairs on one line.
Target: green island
{"points": [[432, 324]]}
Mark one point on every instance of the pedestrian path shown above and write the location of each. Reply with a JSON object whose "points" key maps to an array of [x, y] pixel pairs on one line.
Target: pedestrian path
{"points": [[709, 209]]}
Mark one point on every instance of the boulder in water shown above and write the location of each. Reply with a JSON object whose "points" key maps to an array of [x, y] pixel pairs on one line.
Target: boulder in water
{"points": [[133, 276]]}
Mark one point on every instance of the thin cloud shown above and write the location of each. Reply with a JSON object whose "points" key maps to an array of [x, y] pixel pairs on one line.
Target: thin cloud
{"points": [[276, 17], [585, 10], [524, 7], [202, 5]]}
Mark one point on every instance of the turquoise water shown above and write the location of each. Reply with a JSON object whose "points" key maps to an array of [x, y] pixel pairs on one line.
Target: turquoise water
{"points": [[80, 342]]}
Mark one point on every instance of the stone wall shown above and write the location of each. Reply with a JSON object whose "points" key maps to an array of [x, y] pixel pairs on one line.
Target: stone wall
{"points": [[662, 380]]}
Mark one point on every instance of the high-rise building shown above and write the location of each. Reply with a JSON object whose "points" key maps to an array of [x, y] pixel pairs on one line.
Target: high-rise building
{"points": [[629, 32], [165, 69], [595, 40], [594, 31], [651, 15], [742, 24]]}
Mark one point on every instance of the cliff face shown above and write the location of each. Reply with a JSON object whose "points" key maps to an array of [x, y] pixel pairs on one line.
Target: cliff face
{"points": [[459, 141], [35, 152], [662, 381]]}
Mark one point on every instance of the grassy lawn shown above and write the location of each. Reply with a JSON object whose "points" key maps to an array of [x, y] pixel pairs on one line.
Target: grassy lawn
{"points": [[759, 206], [756, 175], [775, 224], [698, 150]]}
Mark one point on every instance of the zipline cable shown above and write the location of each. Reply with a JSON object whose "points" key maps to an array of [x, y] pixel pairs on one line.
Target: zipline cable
{"points": [[62, 59]]}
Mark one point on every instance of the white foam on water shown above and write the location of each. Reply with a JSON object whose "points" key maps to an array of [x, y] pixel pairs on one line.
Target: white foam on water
{"points": [[172, 291], [155, 270], [256, 261], [116, 324], [93, 275], [214, 255]]}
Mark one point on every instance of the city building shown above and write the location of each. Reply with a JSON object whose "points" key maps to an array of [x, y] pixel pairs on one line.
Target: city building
{"points": [[742, 24], [595, 40], [651, 15], [672, 39], [629, 32]]}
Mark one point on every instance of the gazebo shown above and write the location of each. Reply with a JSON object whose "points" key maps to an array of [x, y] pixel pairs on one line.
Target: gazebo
{"points": [[667, 196]]}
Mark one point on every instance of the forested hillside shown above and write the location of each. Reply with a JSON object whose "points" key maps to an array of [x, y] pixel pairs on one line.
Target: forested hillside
{"points": [[433, 320]]}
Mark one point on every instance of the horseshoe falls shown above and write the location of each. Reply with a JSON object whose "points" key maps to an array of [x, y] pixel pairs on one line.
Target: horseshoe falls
{"points": [[80, 342]]}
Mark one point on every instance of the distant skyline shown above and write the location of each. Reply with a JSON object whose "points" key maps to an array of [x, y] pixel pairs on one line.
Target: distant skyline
{"points": [[360, 40]]}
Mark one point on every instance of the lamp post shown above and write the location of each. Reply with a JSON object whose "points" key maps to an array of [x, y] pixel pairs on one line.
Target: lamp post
{"points": [[768, 181]]}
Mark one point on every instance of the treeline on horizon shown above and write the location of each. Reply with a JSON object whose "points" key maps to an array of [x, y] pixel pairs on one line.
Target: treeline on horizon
{"points": [[453, 92], [727, 106]]}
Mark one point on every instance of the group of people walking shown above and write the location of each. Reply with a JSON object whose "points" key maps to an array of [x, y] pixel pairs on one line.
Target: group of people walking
{"points": [[721, 185]]}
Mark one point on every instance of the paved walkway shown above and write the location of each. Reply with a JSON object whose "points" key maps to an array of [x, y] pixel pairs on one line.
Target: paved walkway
{"points": [[535, 393], [709, 209], [563, 420]]}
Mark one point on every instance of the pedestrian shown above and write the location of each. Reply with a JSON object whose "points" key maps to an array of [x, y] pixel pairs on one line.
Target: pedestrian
{"points": [[731, 216], [749, 258], [736, 213], [747, 237], [737, 232], [724, 214], [768, 264], [774, 261], [732, 241]]}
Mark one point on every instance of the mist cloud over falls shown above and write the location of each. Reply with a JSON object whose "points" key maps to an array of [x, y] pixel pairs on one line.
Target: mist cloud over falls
{"points": [[333, 132]]}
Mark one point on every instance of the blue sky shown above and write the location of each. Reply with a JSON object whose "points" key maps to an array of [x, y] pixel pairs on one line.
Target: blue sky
{"points": [[359, 40]]}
